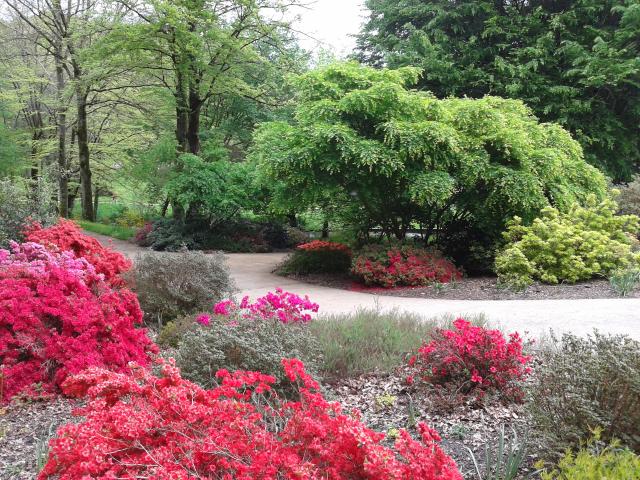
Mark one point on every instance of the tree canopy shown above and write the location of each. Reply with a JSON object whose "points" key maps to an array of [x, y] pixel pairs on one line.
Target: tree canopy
{"points": [[398, 158], [574, 62]]}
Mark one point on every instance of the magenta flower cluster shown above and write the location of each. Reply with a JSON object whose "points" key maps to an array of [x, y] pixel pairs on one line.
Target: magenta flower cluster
{"points": [[284, 306]]}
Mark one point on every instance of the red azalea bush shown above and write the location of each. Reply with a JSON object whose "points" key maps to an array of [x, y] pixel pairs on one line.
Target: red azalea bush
{"points": [[167, 428], [318, 256], [322, 245], [57, 317], [473, 359], [284, 306], [66, 235], [402, 266]]}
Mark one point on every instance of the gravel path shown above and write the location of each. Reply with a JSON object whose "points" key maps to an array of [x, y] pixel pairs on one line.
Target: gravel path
{"points": [[252, 273]]}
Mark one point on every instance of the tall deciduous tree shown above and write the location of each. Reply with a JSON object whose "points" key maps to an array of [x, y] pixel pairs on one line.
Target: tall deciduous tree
{"points": [[575, 62]]}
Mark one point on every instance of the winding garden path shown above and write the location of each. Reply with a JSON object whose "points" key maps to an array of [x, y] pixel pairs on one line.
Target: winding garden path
{"points": [[253, 277]]}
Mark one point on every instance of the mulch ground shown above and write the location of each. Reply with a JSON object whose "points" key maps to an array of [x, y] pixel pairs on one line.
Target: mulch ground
{"points": [[387, 404], [473, 288]]}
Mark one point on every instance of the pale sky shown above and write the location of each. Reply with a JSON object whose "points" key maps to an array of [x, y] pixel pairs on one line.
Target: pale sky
{"points": [[330, 22]]}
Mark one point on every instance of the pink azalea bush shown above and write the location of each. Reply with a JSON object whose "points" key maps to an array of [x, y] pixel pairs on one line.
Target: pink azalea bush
{"points": [[167, 428], [473, 359], [284, 306], [59, 316]]}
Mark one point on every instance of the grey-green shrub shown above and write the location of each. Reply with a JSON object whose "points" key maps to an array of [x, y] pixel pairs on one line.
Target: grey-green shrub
{"points": [[21, 202], [245, 344], [368, 340], [629, 198], [170, 285], [587, 383]]}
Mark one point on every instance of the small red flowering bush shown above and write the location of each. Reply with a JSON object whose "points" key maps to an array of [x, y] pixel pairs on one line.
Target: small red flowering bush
{"points": [[167, 428], [323, 245], [317, 256], [57, 317], [402, 266], [67, 236], [284, 306], [473, 359]]}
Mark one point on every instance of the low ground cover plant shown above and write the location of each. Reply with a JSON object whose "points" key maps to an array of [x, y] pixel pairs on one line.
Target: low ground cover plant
{"points": [[318, 256], [58, 316], [368, 340], [393, 266], [472, 360], [625, 281], [67, 236], [165, 427], [568, 247], [587, 383], [170, 285]]}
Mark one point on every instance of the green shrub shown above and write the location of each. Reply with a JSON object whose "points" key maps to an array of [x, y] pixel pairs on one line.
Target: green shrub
{"points": [[245, 344], [629, 198], [317, 256], [174, 284], [587, 383], [22, 202], [567, 247], [368, 340], [608, 463], [172, 332], [623, 282]]}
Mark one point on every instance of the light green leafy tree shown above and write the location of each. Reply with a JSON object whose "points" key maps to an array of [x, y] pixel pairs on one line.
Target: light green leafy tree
{"points": [[397, 159]]}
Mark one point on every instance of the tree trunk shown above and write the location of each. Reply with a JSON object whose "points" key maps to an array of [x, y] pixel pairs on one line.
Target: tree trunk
{"points": [[96, 200], [82, 132], [193, 128], [63, 180], [325, 229]]}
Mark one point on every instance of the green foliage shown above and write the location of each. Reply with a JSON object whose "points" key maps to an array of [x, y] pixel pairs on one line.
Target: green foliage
{"points": [[245, 344], [22, 202], [583, 384], [629, 198], [567, 247], [368, 340], [217, 190], [381, 155], [625, 281], [502, 458], [574, 62], [596, 463], [173, 284], [304, 262]]}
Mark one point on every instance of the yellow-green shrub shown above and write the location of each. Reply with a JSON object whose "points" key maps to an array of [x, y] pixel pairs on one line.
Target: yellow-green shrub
{"points": [[610, 463], [568, 247]]}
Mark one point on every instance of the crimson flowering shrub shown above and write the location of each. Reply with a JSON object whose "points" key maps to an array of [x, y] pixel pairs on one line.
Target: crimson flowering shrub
{"points": [[67, 236], [57, 317], [402, 266], [317, 256], [322, 245], [167, 428], [473, 359], [284, 306]]}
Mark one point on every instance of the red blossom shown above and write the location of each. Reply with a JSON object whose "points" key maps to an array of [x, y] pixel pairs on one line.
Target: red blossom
{"points": [[473, 359], [143, 426], [403, 266], [67, 236], [322, 245], [58, 317]]}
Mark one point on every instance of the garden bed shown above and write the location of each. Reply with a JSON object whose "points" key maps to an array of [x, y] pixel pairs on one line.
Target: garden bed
{"points": [[473, 288]]}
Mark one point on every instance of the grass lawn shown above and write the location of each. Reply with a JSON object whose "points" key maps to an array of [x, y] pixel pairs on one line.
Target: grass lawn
{"points": [[115, 231]]}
